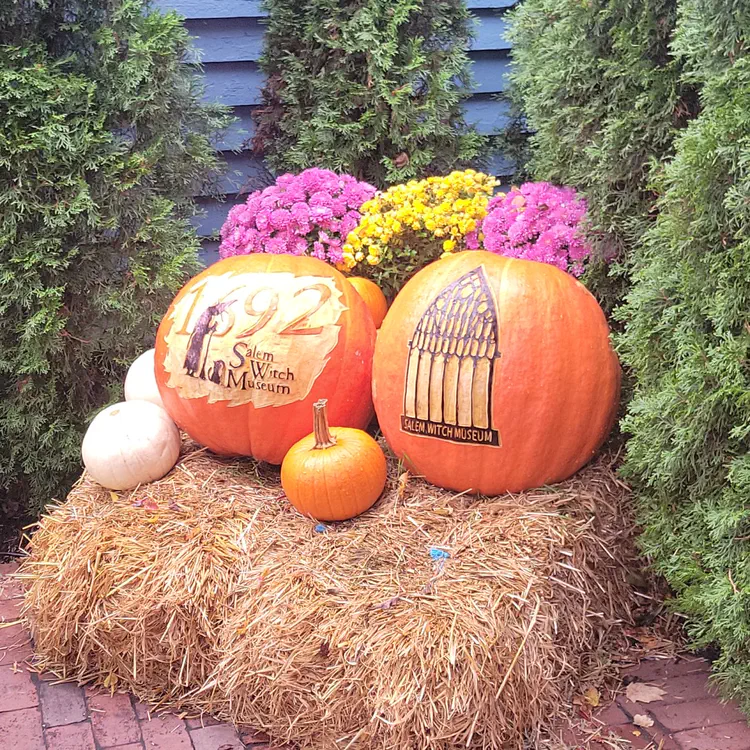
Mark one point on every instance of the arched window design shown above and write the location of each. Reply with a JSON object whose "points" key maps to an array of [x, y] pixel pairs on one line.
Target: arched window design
{"points": [[449, 376]]}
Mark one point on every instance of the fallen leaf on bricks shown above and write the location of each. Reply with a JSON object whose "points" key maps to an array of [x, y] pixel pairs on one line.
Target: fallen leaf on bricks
{"points": [[590, 697], [640, 692]]}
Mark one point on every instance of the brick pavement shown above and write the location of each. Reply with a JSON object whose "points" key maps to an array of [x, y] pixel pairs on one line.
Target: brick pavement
{"points": [[40, 715], [688, 716]]}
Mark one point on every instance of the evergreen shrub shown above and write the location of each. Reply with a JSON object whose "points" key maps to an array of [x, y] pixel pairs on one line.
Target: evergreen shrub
{"points": [[103, 141], [687, 341], [602, 98], [372, 88]]}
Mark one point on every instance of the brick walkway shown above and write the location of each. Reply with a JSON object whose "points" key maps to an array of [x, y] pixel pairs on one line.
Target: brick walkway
{"points": [[688, 716], [40, 715]]}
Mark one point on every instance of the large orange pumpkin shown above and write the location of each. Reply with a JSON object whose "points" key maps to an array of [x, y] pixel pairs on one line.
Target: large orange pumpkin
{"points": [[494, 374], [251, 343]]}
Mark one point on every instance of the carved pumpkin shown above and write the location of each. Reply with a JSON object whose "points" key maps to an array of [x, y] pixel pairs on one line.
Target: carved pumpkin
{"points": [[334, 473], [130, 443], [373, 297], [494, 374], [251, 343], [140, 382]]}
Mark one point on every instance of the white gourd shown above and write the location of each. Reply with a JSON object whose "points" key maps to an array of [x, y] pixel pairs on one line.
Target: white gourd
{"points": [[140, 382], [130, 443]]}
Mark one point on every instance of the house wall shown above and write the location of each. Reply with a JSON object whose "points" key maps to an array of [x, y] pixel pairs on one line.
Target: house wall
{"points": [[229, 40]]}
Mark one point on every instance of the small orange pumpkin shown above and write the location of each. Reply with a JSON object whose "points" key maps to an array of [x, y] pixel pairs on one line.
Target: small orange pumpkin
{"points": [[333, 475], [373, 297], [251, 343], [494, 374]]}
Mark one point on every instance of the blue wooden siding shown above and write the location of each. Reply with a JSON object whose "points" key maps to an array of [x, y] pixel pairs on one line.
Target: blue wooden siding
{"points": [[229, 40]]}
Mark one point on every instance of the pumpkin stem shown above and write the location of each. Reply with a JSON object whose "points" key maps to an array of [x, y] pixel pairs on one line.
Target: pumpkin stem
{"points": [[323, 437]]}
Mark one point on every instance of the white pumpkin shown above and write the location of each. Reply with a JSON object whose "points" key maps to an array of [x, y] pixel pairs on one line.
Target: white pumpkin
{"points": [[140, 382], [130, 443]]}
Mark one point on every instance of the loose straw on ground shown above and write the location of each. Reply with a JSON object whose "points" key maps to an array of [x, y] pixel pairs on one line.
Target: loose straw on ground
{"points": [[434, 621]]}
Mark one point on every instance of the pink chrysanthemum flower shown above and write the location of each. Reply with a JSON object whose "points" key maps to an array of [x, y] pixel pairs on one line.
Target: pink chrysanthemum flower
{"points": [[305, 214], [541, 222]]}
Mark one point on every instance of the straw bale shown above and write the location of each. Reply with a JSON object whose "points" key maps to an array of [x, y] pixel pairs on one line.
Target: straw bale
{"points": [[434, 621]]}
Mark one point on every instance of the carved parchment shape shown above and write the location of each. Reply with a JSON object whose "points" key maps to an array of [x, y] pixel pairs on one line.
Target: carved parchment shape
{"points": [[260, 338]]}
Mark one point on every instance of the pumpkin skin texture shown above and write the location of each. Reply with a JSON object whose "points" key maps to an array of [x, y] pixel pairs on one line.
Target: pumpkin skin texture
{"points": [[373, 297], [494, 374], [140, 382], [130, 443], [335, 473], [251, 343]]}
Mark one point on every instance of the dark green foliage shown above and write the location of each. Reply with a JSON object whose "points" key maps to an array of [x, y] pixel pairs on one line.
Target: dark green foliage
{"points": [[368, 87], [512, 143], [687, 341], [603, 99], [103, 141]]}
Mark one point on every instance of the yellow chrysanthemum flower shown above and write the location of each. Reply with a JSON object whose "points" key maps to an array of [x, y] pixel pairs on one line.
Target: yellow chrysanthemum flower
{"points": [[419, 218]]}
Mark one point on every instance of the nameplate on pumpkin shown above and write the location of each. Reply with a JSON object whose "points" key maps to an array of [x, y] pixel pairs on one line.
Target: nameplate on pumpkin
{"points": [[453, 432]]}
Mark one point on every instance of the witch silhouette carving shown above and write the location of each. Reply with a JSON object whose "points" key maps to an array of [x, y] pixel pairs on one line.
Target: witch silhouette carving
{"points": [[200, 339]]}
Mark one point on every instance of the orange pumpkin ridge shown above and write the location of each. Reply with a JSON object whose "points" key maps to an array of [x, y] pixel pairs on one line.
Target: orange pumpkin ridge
{"points": [[333, 474], [494, 374], [248, 346], [373, 296]]}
